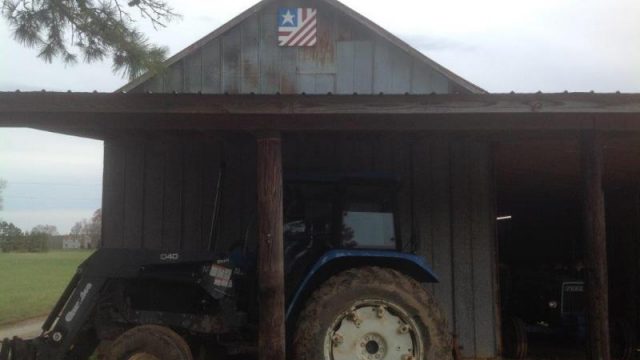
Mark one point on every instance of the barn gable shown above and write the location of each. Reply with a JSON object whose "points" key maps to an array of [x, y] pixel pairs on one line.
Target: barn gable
{"points": [[352, 55]]}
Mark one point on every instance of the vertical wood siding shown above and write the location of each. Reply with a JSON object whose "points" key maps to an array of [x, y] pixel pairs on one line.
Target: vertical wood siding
{"points": [[160, 190], [347, 59]]}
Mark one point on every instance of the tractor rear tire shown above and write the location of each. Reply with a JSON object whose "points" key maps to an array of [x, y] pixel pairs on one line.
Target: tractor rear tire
{"points": [[149, 342], [371, 313]]}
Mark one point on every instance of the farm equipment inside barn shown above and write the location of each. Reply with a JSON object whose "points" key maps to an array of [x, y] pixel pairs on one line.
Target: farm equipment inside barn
{"points": [[351, 292], [544, 266]]}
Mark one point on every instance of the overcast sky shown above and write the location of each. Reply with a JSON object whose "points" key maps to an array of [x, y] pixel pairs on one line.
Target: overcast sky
{"points": [[500, 45]]}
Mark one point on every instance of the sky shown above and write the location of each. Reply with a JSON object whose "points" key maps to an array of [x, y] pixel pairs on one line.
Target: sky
{"points": [[500, 45]]}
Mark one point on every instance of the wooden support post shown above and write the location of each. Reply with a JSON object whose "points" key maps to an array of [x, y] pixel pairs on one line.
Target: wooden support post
{"points": [[595, 248], [270, 248]]}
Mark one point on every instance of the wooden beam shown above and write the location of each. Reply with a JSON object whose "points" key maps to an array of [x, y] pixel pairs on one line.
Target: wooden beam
{"points": [[270, 248], [96, 113], [114, 103], [595, 248]]}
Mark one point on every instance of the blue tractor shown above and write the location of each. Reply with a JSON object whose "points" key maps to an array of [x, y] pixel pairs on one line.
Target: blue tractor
{"points": [[351, 292]]}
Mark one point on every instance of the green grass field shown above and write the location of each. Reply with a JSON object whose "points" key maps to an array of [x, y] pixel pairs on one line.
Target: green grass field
{"points": [[30, 284]]}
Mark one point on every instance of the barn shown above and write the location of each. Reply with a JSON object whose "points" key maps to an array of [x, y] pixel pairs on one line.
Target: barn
{"points": [[489, 183]]}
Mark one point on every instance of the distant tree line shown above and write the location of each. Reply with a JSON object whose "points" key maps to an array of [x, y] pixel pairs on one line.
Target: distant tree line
{"points": [[85, 234], [13, 239]]}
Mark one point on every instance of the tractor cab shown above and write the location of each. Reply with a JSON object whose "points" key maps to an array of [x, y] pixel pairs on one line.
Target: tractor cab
{"points": [[322, 213]]}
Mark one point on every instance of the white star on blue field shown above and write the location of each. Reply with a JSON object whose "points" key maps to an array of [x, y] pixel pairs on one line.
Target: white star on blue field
{"points": [[287, 17]]}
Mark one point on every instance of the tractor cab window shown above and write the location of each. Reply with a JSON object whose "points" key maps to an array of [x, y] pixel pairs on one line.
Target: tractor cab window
{"points": [[368, 218]]}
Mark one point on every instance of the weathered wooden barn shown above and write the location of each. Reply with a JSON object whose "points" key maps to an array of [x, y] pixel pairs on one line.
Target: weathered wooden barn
{"points": [[360, 100]]}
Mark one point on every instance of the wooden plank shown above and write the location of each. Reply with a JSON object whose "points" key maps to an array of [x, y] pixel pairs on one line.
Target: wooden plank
{"points": [[343, 27], [231, 61], [421, 80], [306, 83], [310, 154], [232, 210], [290, 152], [134, 193], [345, 68], [212, 67], [391, 154], [382, 68], [400, 72], [483, 251], [154, 85], [409, 231], [113, 194], [440, 84], [100, 115], [140, 104], [288, 73], [193, 73], [212, 162], [269, 52], [248, 226], [421, 194], [623, 229], [595, 248], [174, 78], [325, 84], [354, 153], [173, 195], [461, 225], [440, 210], [153, 194], [193, 176], [271, 328], [363, 67], [250, 55]]}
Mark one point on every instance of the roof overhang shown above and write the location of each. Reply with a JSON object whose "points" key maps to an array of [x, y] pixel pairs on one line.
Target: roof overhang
{"points": [[105, 113]]}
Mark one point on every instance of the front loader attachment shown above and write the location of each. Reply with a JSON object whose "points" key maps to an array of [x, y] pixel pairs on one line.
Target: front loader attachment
{"points": [[69, 330]]}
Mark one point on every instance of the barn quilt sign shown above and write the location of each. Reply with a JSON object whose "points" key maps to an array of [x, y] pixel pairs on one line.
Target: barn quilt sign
{"points": [[297, 26]]}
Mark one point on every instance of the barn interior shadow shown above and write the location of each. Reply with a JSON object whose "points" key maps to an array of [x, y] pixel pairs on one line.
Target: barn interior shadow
{"points": [[541, 250]]}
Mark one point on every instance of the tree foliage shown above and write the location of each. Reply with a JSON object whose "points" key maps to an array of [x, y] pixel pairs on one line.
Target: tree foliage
{"points": [[92, 29], [88, 232], [50, 230], [12, 239]]}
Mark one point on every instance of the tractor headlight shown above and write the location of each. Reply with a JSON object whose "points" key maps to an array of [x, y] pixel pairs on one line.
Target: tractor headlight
{"points": [[553, 304]]}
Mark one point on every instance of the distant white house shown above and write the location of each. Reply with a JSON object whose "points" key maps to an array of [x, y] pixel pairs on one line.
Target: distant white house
{"points": [[71, 242]]}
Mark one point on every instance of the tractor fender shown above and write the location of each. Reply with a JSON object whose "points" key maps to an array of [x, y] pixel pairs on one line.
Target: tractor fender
{"points": [[334, 261]]}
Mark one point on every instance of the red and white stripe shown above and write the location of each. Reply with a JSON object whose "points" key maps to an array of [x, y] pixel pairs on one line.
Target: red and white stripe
{"points": [[305, 34]]}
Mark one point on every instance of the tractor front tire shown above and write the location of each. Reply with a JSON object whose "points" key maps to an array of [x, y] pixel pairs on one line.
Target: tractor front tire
{"points": [[371, 313], [149, 342]]}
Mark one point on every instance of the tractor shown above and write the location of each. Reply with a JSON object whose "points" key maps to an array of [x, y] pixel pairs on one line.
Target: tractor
{"points": [[351, 292], [548, 306]]}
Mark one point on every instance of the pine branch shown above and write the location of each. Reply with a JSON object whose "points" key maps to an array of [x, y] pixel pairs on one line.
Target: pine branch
{"points": [[95, 28]]}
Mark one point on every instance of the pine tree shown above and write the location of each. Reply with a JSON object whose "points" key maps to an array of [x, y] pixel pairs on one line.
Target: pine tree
{"points": [[91, 30]]}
